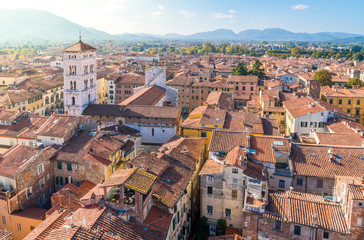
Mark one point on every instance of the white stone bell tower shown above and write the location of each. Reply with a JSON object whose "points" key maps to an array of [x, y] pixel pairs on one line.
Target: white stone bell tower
{"points": [[79, 77]]}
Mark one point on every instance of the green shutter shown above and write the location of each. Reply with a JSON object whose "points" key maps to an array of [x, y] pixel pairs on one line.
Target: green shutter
{"points": [[69, 166], [59, 164]]}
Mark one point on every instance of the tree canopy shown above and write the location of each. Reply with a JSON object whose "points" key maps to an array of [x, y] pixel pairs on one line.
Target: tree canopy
{"points": [[241, 69], [354, 82], [324, 76]]}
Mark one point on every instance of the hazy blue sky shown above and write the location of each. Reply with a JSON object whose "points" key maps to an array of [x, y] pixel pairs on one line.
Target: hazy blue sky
{"points": [[190, 16]]}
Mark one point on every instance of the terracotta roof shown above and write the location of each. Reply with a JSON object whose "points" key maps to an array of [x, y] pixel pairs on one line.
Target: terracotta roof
{"points": [[95, 146], [338, 125], [140, 181], [183, 154], [213, 117], [5, 235], [314, 160], [226, 237], [26, 128], [181, 81], [265, 146], [15, 159], [221, 100], [74, 232], [148, 96], [341, 92], [224, 141], [158, 218], [243, 79], [357, 191], [132, 178], [33, 213], [133, 111], [9, 115], [302, 106], [53, 222], [131, 78], [79, 47], [306, 209], [211, 167], [270, 127], [98, 159], [170, 186], [119, 177], [58, 126], [149, 163], [347, 139], [69, 196]]}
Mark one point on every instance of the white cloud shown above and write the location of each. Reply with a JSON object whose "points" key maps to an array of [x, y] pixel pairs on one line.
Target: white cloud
{"points": [[222, 16], [232, 11], [161, 7], [187, 14], [158, 14], [300, 7]]}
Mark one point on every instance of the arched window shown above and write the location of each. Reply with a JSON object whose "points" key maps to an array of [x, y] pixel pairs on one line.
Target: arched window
{"points": [[85, 69], [61, 95], [91, 82], [57, 97], [74, 85], [89, 98], [91, 68], [52, 99], [86, 83], [73, 101], [47, 100]]}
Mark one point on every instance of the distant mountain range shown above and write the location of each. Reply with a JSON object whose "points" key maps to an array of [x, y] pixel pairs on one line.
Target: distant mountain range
{"points": [[24, 24]]}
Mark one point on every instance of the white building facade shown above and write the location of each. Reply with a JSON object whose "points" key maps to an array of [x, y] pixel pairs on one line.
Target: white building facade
{"points": [[79, 77]]}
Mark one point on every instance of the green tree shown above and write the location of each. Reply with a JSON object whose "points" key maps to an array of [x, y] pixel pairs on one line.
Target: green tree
{"points": [[208, 47], [296, 51], [324, 76], [257, 70], [240, 70], [354, 82], [358, 56], [223, 48], [171, 49], [355, 48]]}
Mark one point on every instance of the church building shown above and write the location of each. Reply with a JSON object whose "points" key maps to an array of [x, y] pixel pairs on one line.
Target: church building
{"points": [[79, 77]]}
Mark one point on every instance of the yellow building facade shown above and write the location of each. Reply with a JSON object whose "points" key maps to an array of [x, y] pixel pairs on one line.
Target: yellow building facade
{"points": [[350, 101]]}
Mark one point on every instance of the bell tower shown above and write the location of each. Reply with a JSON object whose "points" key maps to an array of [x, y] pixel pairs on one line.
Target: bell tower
{"points": [[79, 77]]}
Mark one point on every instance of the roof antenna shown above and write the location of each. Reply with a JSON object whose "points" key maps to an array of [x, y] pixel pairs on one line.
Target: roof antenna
{"points": [[80, 35]]}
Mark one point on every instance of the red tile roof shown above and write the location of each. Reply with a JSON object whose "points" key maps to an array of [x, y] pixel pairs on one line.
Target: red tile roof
{"points": [[148, 96], [306, 209], [265, 146], [224, 141], [79, 47], [314, 160]]}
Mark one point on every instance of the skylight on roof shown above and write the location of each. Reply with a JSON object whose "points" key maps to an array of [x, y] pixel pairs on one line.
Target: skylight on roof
{"points": [[278, 143]]}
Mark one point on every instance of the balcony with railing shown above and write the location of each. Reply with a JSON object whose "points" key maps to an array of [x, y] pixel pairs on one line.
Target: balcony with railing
{"points": [[282, 169]]}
